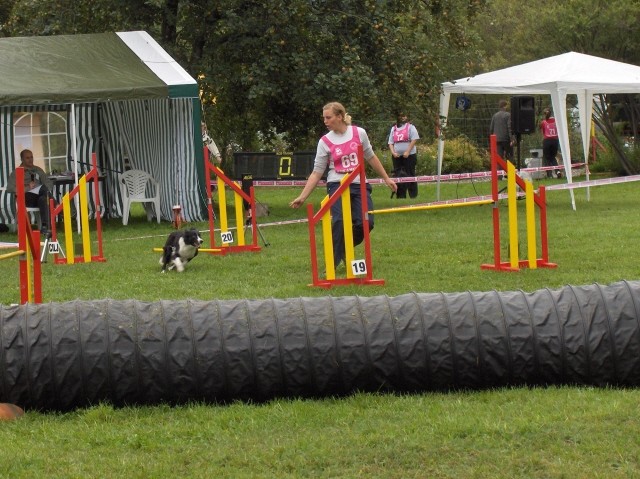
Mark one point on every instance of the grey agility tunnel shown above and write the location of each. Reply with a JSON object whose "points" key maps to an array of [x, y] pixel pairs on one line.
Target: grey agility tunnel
{"points": [[60, 356]]}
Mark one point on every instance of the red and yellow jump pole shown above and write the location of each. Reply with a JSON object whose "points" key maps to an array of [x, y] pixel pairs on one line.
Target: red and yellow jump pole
{"points": [[65, 208], [28, 249], [227, 238], [532, 201], [323, 217]]}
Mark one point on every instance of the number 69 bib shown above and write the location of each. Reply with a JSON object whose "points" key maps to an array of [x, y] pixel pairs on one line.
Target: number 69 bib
{"points": [[345, 155]]}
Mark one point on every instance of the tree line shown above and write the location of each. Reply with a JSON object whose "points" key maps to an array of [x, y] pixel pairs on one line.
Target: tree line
{"points": [[266, 68]]}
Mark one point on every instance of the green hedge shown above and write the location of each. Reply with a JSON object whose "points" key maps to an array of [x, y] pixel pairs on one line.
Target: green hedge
{"points": [[460, 156]]}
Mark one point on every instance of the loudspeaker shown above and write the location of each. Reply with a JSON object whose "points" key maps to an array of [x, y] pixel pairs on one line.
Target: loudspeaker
{"points": [[463, 103], [523, 114]]}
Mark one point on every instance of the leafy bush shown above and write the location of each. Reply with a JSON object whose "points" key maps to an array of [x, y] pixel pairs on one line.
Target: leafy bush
{"points": [[607, 161], [460, 156], [272, 140]]}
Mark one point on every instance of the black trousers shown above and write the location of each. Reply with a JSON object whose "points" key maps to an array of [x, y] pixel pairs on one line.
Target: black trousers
{"points": [[505, 150], [550, 148], [408, 166], [39, 200]]}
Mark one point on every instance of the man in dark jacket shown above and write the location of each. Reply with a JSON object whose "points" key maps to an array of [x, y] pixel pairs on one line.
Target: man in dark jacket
{"points": [[501, 127]]}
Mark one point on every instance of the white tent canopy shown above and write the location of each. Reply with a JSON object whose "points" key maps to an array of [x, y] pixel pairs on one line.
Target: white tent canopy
{"points": [[561, 75]]}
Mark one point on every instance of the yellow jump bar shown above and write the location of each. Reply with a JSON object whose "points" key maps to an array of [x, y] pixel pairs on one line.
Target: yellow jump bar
{"points": [[203, 250], [429, 207], [12, 254]]}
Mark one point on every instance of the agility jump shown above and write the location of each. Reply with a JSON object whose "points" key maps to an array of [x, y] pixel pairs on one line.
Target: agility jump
{"points": [[359, 271], [28, 251], [532, 200], [65, 208], [229, 243]]}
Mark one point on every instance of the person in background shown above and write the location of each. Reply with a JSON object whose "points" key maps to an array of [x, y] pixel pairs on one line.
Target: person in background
{"points": [[37, 187], [402, 144], [338, 150], [501, 127], [209, 143], [550, 142]]}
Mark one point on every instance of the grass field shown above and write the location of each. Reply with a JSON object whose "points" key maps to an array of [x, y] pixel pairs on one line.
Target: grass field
{"points": [[552, 432]]}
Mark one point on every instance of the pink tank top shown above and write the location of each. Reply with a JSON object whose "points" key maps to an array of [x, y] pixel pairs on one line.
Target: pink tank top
{"points": [[549, 129], [401, 135], [345, 155]]}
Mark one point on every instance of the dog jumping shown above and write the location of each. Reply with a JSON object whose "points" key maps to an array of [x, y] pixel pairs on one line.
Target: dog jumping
{"points": [[180, 248]]}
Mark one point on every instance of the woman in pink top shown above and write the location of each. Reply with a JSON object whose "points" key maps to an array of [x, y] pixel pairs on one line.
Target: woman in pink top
{"points": [[550, 142], [402, 144], [338, 151]]}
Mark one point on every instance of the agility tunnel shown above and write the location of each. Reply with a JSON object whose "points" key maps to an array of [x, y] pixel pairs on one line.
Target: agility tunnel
{"points": [[60, 356]]}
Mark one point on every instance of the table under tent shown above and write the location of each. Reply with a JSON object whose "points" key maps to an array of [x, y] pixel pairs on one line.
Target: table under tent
{"points": [[119, 95]]}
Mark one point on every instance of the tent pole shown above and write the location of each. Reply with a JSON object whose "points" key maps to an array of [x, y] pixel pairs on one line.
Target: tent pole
{"points": [[74, 153], [177, 206], [441, 124]]}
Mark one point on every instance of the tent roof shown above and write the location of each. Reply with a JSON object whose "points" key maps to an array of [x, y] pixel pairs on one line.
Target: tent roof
{"points": [[89, 68], [569, 72], [558, 76]]}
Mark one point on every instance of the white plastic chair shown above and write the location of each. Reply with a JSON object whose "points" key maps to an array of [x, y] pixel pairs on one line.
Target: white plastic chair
{"points": [[34, 212], [133, 185]]}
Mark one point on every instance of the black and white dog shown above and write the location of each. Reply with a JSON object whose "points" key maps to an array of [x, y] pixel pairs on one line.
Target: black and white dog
{"points": [[180, 248]]}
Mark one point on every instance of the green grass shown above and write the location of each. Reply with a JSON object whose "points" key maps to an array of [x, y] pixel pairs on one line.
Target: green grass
{"points": [[425, 251], [552, 432], [511, 433]]}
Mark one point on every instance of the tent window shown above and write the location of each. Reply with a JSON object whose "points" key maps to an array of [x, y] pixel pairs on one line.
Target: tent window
{"points": [[45, 134]]}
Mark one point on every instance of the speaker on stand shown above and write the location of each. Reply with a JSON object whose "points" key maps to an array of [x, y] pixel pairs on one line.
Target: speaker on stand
{"points": [[523, 119]]}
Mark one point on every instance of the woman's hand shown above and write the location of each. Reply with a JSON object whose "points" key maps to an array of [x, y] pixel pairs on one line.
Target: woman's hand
{"points": [[391, 184], [314, 177], [297, 203]]}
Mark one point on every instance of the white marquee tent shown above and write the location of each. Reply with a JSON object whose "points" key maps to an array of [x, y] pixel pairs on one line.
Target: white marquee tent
{"points": [[561, 75]]}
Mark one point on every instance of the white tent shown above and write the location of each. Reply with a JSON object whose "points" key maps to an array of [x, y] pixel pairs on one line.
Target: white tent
{"points": [[561, 75]]}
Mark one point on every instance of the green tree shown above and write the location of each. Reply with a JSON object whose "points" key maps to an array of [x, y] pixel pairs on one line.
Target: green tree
{"points": [[517, 32], [289, 60], [6, 6], [58, 17], [268, 67]]}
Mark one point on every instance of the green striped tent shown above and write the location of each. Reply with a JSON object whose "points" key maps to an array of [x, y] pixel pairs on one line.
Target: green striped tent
{"points": [[124, 97]]}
